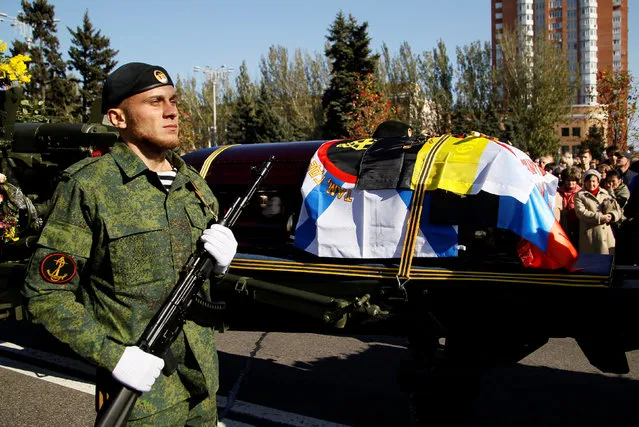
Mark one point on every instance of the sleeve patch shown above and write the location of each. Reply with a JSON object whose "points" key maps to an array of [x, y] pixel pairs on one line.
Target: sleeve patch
{"points": [[58, 268]]}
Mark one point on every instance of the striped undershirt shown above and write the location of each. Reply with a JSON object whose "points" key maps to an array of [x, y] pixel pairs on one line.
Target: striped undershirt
{"points": [[167, 178]]}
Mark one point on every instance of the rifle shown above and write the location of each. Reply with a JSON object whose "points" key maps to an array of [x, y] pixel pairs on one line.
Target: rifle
{"points": [[167, 323]]}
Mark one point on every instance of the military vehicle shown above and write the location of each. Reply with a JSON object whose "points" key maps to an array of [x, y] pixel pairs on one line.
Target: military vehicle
{"points": [[32, 157], [490, 301], [484, 307]]}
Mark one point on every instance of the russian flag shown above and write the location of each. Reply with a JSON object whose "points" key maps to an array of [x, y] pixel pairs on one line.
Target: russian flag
{"points": [[535, 222]]}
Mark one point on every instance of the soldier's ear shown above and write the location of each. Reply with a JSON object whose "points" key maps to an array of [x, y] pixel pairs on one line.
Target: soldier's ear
{"points": [[117, 117]]}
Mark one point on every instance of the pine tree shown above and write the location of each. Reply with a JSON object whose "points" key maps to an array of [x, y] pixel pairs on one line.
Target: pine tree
{"points": [[92, 57], [351, 59], [271, 127], [242, 127], [49, 82]]}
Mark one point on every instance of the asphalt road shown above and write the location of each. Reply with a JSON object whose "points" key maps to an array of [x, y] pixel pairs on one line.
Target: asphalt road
{"points": [[302, 379]]}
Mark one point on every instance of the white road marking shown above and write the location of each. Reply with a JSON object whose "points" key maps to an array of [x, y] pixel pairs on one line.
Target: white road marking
{"points": [[257, 412], [274, 415], [46, 375], [76, 365]]}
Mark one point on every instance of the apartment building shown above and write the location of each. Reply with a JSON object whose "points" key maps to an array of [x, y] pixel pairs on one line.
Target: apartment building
{"points": [[593, 35]]}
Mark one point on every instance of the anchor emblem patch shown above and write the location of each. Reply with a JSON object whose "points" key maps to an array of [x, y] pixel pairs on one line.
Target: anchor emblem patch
{"points": [[58, 268]]}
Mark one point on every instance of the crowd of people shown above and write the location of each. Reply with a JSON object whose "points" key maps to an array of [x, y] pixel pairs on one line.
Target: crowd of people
{"points": [[597, 201]]}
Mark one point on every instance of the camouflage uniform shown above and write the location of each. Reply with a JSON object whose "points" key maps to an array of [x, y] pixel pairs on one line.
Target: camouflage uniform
{"points": [[129, 240]]}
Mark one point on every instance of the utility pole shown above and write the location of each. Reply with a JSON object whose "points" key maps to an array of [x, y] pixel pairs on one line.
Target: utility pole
{"points": [[214, 76]]}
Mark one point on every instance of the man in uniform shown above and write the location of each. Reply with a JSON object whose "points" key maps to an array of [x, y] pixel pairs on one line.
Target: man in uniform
{"points": [[121, 228]]}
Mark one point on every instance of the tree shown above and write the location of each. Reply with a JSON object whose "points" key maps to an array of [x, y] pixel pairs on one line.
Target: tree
{"points": [[400, 77], [92, 57], [288, 90], [476, 104], [594, 142], [618, 98], [350, 57], [49, 82], [536, 89], [370, 108], [437, 77], [194, 126], [270, 126], [243, 126]]}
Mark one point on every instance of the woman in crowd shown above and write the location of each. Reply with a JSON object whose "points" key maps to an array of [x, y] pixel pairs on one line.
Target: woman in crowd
{"points": [[570, 178], [597, 211]]}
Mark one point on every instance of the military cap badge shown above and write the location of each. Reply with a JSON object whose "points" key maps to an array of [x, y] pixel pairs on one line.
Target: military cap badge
{"points": [[58, 268], [161, 76]]}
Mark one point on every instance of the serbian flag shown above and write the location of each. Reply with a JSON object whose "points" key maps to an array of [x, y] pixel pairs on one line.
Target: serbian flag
{"points": [[526, 193], [338, 220]]}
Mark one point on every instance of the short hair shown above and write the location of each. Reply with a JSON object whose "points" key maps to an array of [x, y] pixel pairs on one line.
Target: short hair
{"points": [[605, 166], [612, 173], [571, 173]]}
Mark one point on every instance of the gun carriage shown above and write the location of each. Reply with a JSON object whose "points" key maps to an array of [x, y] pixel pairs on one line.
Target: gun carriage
{"points": [[462, 314]]}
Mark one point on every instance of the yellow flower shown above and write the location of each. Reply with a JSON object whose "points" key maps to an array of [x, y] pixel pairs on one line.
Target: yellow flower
{"points": [[15, 69]]}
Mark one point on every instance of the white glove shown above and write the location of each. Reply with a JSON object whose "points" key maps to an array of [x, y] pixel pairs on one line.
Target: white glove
{"points": [[220, 243], [138, 369]]}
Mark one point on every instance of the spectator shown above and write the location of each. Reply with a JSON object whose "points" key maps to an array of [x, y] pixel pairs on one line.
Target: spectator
{"points": [[615, 186], [570, 179], [603, 169], [597, 211], [611, 154], [585, 157], [544, 160], [623, 166]]}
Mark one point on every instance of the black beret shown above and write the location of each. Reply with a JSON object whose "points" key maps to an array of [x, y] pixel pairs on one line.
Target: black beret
{"points": [[131, 79]]}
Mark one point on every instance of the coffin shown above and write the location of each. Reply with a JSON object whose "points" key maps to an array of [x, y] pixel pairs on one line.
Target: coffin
{"points": [[266, 230]]}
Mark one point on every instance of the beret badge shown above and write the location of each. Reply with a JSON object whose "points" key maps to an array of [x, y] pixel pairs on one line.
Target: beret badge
{"points": [[161, 77]]}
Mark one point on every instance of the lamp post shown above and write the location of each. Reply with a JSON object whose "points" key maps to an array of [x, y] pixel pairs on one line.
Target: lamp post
{"points": [[24, 29], [214, 75]]}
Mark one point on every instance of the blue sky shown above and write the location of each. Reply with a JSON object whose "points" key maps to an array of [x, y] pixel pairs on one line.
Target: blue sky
{"points": [[179, 34]]}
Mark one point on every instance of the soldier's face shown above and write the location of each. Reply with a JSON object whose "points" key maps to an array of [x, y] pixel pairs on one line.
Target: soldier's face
{"points": [[152, 118]]}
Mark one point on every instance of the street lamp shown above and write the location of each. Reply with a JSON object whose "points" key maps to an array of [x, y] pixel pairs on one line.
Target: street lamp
{"points": [[23, 28], [214, 76]]}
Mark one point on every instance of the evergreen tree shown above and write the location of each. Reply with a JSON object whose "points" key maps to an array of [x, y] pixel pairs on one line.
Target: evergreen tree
{"points": [[243, 125], [92, 57], [49, 82], [271, 126], [350, 58]]}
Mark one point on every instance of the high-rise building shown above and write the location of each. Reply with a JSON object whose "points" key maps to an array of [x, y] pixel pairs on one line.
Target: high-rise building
{"points": [[593, 35]]}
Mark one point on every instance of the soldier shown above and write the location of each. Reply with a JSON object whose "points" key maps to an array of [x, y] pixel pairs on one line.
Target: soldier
{"points": [[120, 230]]}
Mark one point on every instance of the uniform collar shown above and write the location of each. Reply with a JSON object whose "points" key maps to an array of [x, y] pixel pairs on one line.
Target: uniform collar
{"points": [[132, 165]]}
